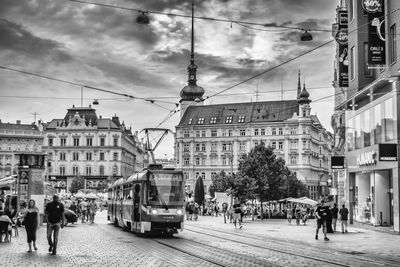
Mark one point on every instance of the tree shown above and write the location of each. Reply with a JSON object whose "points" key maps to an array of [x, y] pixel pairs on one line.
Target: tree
{"points": [[219, 183], [263, 173], [234, 185], [294, 187], [199, 191], [77, 184]]}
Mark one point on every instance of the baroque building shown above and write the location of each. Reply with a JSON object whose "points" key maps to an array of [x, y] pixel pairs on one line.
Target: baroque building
{"points": [[99, 149], [212, 138]]}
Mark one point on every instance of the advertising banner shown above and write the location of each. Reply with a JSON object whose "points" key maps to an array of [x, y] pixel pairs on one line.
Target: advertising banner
{"points": [[376, 33], [337, 162], [387, 152], [342, 39]]}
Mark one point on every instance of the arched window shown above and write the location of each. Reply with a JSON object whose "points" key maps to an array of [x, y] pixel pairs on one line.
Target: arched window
{"points": [[75, 170], [101, 169]]}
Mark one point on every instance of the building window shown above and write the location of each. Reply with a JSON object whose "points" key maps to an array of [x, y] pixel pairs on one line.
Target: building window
{"points": [[213, 133], [50, 141], [115, 141], [393, 43], [241, 119], [214, 147], [280, 145], [62, 156], [102, 141], [89, 141], [76, 141], [75, 156], [115, 156], [200, 121], [62, 170], [213, 175], [273, 144], [351, 10], [229, 119], [293, 145], [262, 131], [203, 176], [224, 132], [255, 131], [213, 120], [226, 147], [197, 133], [186, 161], [293, 160], [197, 147], [352, 62], [203, 133], [230, 132], [293, 130], [224, 160], [88, 170], [273, 131], [101, 170], [203, 161], [190, 121], [101, 155], [63, 141], [242, 132], [304, 144], [186, 148], [88, 156], [203, 147], [280, 131], [50, 156], [214, 160], [186, 134], [242, 146], [75, 170]]}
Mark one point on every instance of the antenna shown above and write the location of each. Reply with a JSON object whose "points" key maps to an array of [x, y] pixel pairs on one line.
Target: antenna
{"points": [[34, 116], [282, 90], [257, 94], [81, 96]]}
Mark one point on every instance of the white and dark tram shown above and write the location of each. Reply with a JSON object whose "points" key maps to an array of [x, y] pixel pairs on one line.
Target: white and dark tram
{"points": [[149, 201]]}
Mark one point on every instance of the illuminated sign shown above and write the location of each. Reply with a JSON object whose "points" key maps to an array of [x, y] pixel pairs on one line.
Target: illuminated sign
{"points": [[366, 158], [387, 152], [372, 6], [376, 33], [337, 162]]}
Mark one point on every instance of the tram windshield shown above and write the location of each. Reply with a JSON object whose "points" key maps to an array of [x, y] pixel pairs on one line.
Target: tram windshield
{"points": [[166, 189]]}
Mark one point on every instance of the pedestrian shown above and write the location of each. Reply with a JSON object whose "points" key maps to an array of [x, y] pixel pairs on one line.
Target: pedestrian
{"points": [[298, 214], [196, 211], [5, 218], [237, 213], [191, 209], [344, 212], [224, 210], [82, 208], [322, 214], [92, 210], [31, 222], [55, 221], [334, 212], [289, 214], [304, 214]]}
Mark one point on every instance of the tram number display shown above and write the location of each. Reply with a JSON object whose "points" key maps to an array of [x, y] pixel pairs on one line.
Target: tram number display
{"points": [[167, 176]]}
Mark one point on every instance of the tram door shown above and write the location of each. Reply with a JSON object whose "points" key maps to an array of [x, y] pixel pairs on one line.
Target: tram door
{"points": [[136, 206]]}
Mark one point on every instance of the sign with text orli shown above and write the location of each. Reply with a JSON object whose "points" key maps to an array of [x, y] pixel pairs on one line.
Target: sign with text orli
{"points": [[342, 39], [376, 33]]}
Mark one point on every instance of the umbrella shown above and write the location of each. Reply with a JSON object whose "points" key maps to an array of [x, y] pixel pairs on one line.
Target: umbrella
{"points": [[91, 196], [207, 196]]}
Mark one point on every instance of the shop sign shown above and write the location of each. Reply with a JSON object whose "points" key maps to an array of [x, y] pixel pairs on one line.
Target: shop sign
{"points": [[342, 39], [387, 152], [337, 162], [376, 33], [372, 6], [366, 158]]}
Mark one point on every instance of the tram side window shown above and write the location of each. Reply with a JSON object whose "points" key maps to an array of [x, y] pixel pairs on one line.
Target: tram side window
{"points": [[153, 194]]}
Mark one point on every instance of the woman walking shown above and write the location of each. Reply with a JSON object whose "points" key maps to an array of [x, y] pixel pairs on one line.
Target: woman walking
{"points": [[31, 221]]}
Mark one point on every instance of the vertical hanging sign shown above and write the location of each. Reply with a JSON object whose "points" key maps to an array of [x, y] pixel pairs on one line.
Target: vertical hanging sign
{"points": [[342, 39], [376, 33]]}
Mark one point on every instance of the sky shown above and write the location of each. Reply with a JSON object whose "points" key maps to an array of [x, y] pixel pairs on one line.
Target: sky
{"points": [[105, 48]]}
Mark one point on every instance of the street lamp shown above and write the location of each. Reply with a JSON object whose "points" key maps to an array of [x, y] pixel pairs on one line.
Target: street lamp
{"points": [[143, 18], [306, 36]]}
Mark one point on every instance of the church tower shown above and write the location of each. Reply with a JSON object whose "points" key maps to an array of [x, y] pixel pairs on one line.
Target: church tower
{"points": [[191, 94], [303, 100]]}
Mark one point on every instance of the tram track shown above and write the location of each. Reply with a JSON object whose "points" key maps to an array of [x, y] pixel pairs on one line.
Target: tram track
{"points": [[334, 258]]}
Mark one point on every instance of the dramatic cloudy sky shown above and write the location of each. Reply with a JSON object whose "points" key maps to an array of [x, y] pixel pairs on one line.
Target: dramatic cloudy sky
{"points": [[105, 48]]}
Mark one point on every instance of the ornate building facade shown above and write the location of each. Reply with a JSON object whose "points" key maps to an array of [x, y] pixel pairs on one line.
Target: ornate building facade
{"points": [[212, 138], [17, 138], [99, 149]]}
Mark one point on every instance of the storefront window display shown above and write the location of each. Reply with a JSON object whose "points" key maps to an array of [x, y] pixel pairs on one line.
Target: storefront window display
{"points": [[377, 124]]}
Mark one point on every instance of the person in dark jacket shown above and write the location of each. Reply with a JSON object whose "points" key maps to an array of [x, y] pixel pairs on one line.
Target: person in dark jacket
{"points": [[31, 222], [321, 213], [344, 212], [55, 221], [334, 212]]}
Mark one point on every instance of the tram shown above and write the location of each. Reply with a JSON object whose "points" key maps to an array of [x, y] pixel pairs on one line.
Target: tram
{"points": [[149, 201]]}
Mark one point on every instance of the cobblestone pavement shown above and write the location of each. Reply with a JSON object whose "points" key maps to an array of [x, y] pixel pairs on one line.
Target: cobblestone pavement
{"points": [[266, 243]]}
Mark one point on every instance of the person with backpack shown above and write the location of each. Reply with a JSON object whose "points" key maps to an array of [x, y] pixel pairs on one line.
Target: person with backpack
{"points": [[196, 211], [322, 217], [344, 213]]}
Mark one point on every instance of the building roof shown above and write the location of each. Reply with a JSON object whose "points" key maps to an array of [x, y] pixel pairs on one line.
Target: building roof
{"points": [[18, 126], [84, 112], [268, 111]]}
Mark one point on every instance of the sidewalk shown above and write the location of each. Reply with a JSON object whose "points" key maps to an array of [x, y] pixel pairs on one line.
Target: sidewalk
{"points": [[358, 240]]}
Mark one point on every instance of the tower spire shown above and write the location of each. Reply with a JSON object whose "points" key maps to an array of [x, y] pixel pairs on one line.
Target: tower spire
{"points": [[192, 68], [298, 86]]}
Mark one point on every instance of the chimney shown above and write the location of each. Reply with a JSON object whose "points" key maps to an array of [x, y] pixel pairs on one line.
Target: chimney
{"points": [[18, 122], [100, 117]]}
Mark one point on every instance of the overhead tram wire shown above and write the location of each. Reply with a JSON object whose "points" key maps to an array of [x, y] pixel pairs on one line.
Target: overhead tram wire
{"points": [[269, 25], [152, 101]]}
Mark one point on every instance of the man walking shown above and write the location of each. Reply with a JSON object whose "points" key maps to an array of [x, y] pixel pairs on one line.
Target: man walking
{"points": [[334, 212], [344, 212], [55, 221], [322, 214]]}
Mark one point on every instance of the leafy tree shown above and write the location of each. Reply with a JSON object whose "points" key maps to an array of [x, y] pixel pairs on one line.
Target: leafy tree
{"points": [[234, 185], [77, 184], [199, 191], [263, 173], [294, 187]]}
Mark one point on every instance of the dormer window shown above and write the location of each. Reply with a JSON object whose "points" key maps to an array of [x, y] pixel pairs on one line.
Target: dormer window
{"points": [[213, 120], [200, 121], [229, 119], [241, 119], [190, 121]]}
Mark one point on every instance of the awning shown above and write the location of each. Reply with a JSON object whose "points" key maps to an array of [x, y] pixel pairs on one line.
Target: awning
{"points": [[8, 181], [304, 200]]}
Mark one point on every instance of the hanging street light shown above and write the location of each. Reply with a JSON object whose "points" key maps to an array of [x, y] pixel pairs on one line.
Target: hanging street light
{"points": [[143, 18], [306, 36]]}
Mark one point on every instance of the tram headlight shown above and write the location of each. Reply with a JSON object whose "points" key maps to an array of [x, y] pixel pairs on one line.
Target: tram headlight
{"points": [[180, 212], [153, 211]]}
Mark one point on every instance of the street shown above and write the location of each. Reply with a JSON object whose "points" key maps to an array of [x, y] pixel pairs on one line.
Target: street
{"points": [[207, 242]]}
